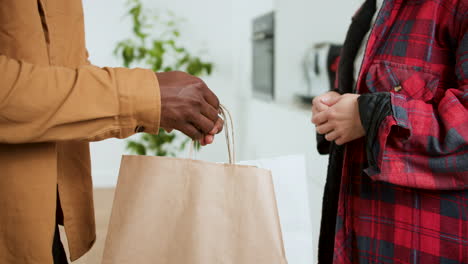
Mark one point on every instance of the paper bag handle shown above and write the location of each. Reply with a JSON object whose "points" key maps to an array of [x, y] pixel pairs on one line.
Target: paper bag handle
{"points": [[228, 132]]}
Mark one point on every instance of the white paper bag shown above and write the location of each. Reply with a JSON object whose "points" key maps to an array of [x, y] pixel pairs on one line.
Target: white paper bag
{"points": [[290, 183]]}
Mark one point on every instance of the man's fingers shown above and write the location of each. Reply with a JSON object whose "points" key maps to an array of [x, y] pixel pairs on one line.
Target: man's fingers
{"points": [[204, 124], [211, 98], [202, 141], [332, 136], [208, 139], [325, 128], [191, 131], [218, 127], [210, 112]]}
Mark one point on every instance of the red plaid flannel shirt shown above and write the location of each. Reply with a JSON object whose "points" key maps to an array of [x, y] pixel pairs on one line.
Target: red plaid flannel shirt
{"points": [[413, 206]]}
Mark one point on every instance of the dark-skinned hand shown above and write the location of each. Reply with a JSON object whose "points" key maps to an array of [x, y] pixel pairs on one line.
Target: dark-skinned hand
{"points": [[188, 105]]}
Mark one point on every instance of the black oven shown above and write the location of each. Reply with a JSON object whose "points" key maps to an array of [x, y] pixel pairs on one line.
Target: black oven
{"points": [[264, 57]]}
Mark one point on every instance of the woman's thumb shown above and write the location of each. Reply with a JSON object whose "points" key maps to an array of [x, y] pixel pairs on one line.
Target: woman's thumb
{"points": [[329, 100]]}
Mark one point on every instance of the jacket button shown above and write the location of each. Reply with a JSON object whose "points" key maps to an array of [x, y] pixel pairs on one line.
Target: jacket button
{"points": [[139, 129], [398, 88]]}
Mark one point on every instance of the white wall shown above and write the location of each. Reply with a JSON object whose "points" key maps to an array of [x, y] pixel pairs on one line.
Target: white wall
{"points": [[300, 24]]}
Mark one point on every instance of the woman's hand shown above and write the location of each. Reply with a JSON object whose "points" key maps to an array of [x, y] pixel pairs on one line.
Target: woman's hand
{"points": [[321, 103], [340, 122]]}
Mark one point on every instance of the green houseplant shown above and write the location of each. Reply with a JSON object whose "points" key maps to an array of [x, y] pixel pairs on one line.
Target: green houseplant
{"points": [[155, 43]]}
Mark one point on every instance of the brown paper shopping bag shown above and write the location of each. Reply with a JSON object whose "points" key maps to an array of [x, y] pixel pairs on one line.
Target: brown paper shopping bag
{"points": [[182, 211]]}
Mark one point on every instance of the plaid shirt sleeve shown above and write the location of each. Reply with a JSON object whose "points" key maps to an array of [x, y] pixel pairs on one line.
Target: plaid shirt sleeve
{"points": [[425, 145]]}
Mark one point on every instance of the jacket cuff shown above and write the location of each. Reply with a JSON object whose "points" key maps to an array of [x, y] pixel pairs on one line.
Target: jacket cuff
{"points": [[323, 145], [337, 90], [373, 109], [140, 101]]}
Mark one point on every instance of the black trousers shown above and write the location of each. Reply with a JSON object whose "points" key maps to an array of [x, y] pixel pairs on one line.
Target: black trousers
{"points": [[58, 252]]}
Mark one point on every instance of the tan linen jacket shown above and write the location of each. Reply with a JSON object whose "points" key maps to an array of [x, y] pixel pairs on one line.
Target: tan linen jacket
{"points": [[52, 103]]}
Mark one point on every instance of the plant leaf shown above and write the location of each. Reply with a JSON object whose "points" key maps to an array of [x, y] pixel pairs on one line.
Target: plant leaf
{"points": [[136, 148], [151, 48]]}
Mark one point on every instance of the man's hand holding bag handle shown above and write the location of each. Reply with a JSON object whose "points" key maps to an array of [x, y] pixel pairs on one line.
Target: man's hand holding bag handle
{"points": [[188, 105]]}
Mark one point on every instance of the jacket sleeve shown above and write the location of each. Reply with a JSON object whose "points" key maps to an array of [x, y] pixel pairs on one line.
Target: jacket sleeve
{"points": [[44, 104], [373, 109], [424, 145]]}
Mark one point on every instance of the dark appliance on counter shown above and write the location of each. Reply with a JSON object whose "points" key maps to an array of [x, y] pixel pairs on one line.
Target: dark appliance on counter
{"points": [[264, 57]]}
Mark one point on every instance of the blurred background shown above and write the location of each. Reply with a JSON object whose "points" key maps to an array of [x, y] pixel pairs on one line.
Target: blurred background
{"points": [[268, 59]]}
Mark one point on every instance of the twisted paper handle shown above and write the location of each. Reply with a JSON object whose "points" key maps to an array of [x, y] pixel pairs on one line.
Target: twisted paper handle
{"points": [[228, 132]]}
